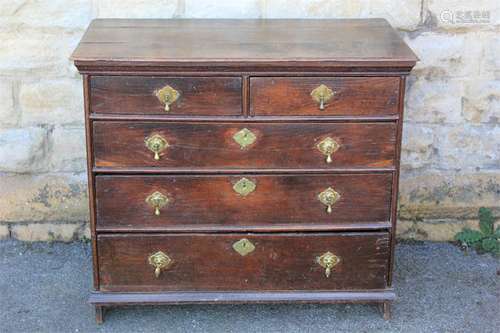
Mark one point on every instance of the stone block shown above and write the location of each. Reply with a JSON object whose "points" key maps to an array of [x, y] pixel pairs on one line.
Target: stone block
{"points": [[439, 195], [467, 147], [68, 149], [43, 198], [402, 14], [417, 147], [223, 9], [312, 9], [37, 52], [8, 115], [137, 8], [445, 55], [481, 101], [52, 102], [490, 61], [47, 13], [4, 231], [433, 230], [48, 232], [23, 149], [434, 101]]}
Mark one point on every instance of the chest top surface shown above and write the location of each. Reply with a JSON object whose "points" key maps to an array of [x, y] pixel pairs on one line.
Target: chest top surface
{"points": [[162, 42]]}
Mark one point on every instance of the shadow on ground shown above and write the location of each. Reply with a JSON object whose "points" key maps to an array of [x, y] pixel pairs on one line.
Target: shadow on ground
{"points": [[44, 287]]}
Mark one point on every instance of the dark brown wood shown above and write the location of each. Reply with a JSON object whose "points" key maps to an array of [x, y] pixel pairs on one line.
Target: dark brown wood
{"points": [[395, 179], [354, 96], [214, 171], [232, 297], [212, 43], [136, 95], [234, 74], [90, 177], [385, 309], [201, 145], [99, 314], [210, 201], [209, 263]]}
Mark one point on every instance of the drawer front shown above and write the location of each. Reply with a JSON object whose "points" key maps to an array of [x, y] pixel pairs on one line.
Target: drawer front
{"points": [[342, 96], [244, 145], [177, 262], [248, 202], [176, 96]]}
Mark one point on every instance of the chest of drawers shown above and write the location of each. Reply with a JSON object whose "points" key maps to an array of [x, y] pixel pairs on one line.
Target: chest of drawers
{"points": [[242, 160]]}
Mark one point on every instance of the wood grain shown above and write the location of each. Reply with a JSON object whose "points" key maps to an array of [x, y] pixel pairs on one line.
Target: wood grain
{"points": [[354, 96], [284, 145], [206, 202], [219, 96], [140, 43], [208, 262]]}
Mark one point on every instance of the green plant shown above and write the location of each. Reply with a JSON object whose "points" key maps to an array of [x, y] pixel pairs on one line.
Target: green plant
{"points": [[486, 239]]}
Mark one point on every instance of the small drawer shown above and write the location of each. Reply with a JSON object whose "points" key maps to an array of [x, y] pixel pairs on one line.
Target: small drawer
{"points": [[243, 202], [324, 96], [169, 96], [233, 262], [244, 145]]}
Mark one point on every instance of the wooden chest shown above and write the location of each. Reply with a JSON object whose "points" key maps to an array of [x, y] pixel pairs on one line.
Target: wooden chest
{"points": [[243, 160]]}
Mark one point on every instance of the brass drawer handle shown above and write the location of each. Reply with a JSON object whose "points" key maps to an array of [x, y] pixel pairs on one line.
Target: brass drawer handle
{"points": [[156, 143], [328, 147], [157, 200], [328, 198], [160, 261], [321, 95], [328, 260], [167, 95]]}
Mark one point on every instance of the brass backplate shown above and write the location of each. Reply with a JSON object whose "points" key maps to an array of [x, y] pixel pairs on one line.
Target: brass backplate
{"points": [[159, 261], [329, 196], [244, 187], [328, 260], [322, 94], [243, 247], [157, 200], [244, 138], [328, 146], [167, 95], [156, 143]]}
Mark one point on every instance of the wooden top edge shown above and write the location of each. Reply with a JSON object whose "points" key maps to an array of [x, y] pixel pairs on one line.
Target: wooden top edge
{"points": [[270, 42]]}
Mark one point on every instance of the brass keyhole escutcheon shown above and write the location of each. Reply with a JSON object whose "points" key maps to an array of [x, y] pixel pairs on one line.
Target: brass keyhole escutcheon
{"points": [[328, 198], [243, 247], [160, 261], [328, 260], [244, 138], [167, 96], [156, 143], [322, 95], [328, 147], [157, 200], [244, 187]]}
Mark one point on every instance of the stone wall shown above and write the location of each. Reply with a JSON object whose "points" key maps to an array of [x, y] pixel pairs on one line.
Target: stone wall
{"points": [[450, 160]]}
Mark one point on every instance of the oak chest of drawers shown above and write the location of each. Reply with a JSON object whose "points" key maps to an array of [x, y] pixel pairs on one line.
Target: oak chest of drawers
{"points": [[242, 160]]}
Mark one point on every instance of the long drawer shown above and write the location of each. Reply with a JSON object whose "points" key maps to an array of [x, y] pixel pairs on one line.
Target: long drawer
{"points": [[168, 96], [243, 202], [324, 96], [174, 262], [244, 145]]}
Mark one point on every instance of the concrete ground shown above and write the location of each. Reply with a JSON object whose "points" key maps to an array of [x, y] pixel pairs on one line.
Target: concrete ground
{"points": [[43, 288]]}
